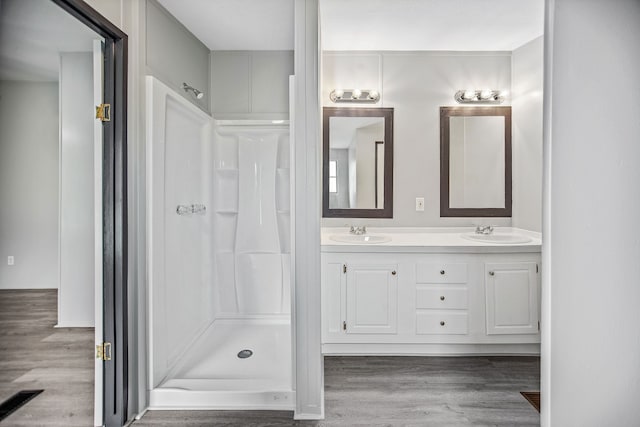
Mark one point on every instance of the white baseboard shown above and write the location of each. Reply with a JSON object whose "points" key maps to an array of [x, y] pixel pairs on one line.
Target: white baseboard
{"points": [[431, 349], [74, 325]]}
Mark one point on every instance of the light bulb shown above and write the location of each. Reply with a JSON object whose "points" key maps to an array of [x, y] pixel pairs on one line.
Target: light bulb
{"points": [[356, 94], [374, 94], [485, 94], [338, 93], [469, 94]]}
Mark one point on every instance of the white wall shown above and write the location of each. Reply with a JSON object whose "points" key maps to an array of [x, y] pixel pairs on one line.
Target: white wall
{"points": [[76, 291], [591, 280], [29, 184], [416, 85], [526, 93]]}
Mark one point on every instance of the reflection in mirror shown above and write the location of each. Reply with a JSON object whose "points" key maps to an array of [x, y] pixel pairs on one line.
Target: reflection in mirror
{"points": [[358, 162], [355, 163], [476, 161]]}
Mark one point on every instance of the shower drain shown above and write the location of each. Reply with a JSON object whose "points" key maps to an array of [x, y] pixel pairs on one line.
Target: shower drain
{"points": [[243, 354]]}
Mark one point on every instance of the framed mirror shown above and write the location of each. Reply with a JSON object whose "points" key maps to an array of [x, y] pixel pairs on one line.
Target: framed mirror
{"points": [[357, 170], [475, 161]]}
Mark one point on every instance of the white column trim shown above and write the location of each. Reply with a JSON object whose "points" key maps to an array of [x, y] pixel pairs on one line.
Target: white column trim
{"points": [[309, 367], [545, 292]]}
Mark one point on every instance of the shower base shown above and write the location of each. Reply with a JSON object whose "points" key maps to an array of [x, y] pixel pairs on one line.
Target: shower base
{"points": [[211, 375]]}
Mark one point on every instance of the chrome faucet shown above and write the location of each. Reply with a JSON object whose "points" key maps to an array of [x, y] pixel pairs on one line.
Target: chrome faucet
{"points": [[484, 229], [358, 231]]}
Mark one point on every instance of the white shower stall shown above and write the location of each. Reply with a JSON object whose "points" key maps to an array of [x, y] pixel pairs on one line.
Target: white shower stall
{"points": [[219, 239]]}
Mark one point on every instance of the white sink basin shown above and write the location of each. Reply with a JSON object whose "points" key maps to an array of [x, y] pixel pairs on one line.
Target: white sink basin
{"points": [[499, 238], [360, 239]]}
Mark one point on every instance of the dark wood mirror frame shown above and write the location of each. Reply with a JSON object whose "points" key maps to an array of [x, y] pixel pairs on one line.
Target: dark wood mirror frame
{"points": [[387, 114], [445, 114]]}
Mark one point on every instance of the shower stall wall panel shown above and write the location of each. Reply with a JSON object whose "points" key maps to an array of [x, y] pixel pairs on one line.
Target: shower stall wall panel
{"points": [[252, 223], [180, 292]]}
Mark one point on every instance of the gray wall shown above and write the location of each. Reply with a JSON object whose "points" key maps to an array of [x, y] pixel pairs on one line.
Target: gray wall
{"points": [[174, 55], [415, 84], [251, 84], [526, 84], [591, 273], [29, 184]]}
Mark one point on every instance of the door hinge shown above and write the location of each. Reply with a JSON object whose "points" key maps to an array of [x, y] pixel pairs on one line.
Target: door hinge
{"points": [[344, 326], [103, 351], [537, 268], [344, 268], [538, 325], [103, 112]]}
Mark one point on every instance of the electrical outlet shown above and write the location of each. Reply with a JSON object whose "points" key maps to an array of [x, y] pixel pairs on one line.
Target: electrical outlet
{"points": [[10, 260], [419, 203]]}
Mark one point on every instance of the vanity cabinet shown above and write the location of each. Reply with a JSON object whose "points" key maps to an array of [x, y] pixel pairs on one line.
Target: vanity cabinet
{"points": [[430, 303]]}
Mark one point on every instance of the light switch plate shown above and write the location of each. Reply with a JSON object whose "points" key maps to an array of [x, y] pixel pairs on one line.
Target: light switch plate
{"points": [[10, 260], [419, 204]]}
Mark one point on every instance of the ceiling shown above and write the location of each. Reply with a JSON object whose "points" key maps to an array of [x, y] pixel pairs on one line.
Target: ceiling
{"points": [[237, 24], [404, 25], [32, 35], [33, 32]]}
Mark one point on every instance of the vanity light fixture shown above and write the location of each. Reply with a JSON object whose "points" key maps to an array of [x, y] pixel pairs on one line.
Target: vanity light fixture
{"points": [[484, 96], [197, 93], [355, 95]]}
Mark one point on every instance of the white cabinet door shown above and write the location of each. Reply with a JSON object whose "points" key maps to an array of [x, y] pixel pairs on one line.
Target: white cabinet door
{"points": [[372, 299], [512, 298], [333, 288]]}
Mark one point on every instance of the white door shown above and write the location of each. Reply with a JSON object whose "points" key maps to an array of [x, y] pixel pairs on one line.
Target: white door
{"points": [[512, 298], [372, 299], [98, 85]]}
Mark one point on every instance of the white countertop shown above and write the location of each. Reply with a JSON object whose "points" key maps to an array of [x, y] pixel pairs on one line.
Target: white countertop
{"points": [[430, 239]]}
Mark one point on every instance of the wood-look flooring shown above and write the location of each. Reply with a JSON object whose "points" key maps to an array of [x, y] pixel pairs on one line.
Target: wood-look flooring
{"points": [[359, 391], [35, 355], [400, 391]]}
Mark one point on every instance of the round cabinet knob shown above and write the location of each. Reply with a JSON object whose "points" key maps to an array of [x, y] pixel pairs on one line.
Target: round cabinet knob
{"points": [[441, 271], [441, 297], [442, 323], [393, 272], [492, 273]]}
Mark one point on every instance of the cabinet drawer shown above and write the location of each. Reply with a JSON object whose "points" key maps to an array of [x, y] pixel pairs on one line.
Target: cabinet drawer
{"points": [[441, 323], [441, 298], [441, 273]]}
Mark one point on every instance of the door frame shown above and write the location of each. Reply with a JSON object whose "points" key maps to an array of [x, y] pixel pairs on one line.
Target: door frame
{"points": [[114, 205]]}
